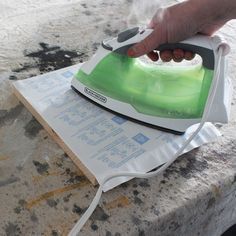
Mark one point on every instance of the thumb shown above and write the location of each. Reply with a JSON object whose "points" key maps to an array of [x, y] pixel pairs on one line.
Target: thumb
{"points": [[147, 45]]}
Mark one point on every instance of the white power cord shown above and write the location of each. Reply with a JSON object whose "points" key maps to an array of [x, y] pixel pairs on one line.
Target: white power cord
{"points": [[76, 229]]}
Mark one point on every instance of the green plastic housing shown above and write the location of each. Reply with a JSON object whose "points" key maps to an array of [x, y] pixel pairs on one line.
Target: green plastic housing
{"points": [[156, 90]]}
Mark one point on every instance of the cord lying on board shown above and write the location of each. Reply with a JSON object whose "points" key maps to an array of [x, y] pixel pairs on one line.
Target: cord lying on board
{"points": [[76, 229]]}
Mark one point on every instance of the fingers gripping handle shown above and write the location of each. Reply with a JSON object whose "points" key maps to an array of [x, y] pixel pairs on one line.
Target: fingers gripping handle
{"points": [[193, 45], [205, 46]]}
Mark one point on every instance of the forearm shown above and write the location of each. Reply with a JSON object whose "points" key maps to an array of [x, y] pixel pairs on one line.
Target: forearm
{"points": [[215, 10]]}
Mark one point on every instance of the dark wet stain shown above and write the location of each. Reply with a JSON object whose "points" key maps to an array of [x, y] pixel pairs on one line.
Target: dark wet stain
{"points": [[210, 203], [136, 220], [110, 32], [22, 202], [42, 168], [54, 233], [94, 227], [135, 192], [74, 177], [169, 171], [144, 183], [141, 233], [12, 77], [8, 181], [99, 214], [124, 185], [12, 229], [84, 5], [163, 181], [174, 226], [32, 75], [59, 164], [8, 116], [52, 203], [95, 46], [3, 114], [24, 67], [78, 210], [34, 217], [193, 166], [87, 13], [18, 209], [67, 197], [108, 233], [50, 58], [32, 128], [138, 201]]}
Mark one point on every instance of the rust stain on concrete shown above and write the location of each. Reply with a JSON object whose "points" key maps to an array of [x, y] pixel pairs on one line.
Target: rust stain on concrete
{"points": [[55, 192], [38, 178], [3, 158], [216, 190], [121, 201]]}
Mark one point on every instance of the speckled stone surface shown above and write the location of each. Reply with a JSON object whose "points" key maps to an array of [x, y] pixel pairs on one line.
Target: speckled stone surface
{"points": [[41, 190]]}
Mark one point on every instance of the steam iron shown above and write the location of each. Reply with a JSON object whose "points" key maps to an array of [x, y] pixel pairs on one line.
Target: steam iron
{"points": [[170, 97]]}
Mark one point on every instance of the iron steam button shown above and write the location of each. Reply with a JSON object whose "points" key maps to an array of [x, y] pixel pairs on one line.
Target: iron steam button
{"points": [[127, 34]]}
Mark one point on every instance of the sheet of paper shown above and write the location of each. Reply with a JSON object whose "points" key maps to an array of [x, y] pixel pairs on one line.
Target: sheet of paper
{"points": [[104, 142]]}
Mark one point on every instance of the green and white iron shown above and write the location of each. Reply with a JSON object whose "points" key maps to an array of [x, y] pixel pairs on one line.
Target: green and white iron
{"points": [[171, 97]]}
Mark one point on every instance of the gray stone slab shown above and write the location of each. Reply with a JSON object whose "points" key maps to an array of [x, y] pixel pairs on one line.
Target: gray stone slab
{"points": [[41, 190]]}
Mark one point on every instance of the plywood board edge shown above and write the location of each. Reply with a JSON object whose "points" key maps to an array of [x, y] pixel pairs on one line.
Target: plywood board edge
{"points": [[55, 136]]}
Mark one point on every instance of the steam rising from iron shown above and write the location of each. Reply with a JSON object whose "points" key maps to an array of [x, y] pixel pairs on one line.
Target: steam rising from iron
{"points": [[142, 12]]}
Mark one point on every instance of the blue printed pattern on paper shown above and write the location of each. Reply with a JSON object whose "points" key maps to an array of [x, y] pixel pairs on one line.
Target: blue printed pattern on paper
{"points": [[97, 132], [119, 120], [140, 138], [79, 112], [119, 152], [59, 99], [47, 83]]}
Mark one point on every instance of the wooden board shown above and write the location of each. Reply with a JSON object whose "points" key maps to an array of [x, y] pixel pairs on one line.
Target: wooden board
{"points": [[57, 139]]}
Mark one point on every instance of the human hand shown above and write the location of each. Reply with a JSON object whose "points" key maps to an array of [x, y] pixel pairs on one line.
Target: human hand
{"points": [[176, 23]]}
